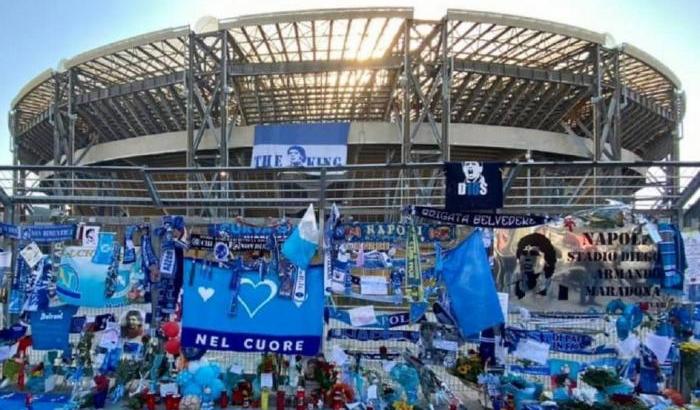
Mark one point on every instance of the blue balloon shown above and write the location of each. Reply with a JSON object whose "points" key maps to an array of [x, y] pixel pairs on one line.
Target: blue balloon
{"points": [[192, 390], [217, 369], [623, 327], [204, 376], [217, 387], [184, 377], [634, 315], [615, 307]]}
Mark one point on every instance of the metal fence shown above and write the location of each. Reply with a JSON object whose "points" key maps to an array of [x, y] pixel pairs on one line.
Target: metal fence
{"points": [[117, 196], [375, 192]]}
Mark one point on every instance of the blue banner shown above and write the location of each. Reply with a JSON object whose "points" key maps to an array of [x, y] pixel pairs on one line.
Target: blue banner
{"points": [[9, 230], [480, 220], [250, 234], [300, 145], [558, 341], [263, 321], [39, 233], [81, 282], [365, 335], [392, 232], [384, 321]]}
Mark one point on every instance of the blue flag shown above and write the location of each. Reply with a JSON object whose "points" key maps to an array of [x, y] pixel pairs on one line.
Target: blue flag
{"points": [[262, 322], [301, 245], [469, 283], [104, 249]]}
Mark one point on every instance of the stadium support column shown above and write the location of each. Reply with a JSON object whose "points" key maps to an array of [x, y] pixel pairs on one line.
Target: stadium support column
{"points": [[13, 120], [225, 130], [597, 101], [606, 102], [208, 93], [446, 96], [189, 84], [63, 123], [675, 172], [406, 95]]}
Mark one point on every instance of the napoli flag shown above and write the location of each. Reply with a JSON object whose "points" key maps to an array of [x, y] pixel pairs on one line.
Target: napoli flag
{"points": [[301, 245], [470, 285]]}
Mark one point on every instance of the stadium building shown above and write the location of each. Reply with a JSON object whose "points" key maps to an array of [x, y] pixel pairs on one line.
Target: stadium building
{"points": [[470, 86]]}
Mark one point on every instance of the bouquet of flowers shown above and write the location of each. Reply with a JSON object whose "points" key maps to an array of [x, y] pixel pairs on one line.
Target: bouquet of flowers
{"points": [[690, 358], [467, 368]]}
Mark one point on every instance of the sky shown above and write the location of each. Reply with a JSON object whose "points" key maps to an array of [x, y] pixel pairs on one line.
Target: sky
{"points": [[36, 35]]}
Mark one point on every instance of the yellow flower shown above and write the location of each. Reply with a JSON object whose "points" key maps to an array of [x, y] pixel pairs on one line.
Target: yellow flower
{"points": [[402, 405]]}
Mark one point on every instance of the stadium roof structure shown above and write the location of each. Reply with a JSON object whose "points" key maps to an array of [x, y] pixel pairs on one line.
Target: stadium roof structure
{"points": [[472, 85], [355, 65]]}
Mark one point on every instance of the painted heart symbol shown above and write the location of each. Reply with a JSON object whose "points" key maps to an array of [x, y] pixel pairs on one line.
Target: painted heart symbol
{"points": [[205, 293], [272, 286]]}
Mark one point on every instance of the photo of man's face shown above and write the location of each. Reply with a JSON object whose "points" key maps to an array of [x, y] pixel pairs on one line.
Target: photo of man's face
{"points": [[472, 171], [90, 235], [132, 324], [529, 259], [297, 156]]}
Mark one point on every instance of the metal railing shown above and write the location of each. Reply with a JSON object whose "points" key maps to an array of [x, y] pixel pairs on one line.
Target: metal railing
{"points": [[374, 190]]}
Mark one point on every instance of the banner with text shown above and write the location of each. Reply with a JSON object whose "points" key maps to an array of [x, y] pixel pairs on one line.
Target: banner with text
{"points": [[552, 268], [263, 321], [479, 220], [300, 145], [392, 232]]}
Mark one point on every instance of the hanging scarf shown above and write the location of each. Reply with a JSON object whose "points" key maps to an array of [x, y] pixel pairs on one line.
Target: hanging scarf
{"points": [[234, 286], [274, 265], [51, 279], [171, 262], [17, 295], [286, 278], [300, 287], [328, 245], [112, 280], [413, 270], [148, 255], [129, 248], [438, 260], [35, 294], [397, 278]]}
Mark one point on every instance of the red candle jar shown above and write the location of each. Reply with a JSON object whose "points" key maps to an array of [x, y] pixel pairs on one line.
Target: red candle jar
{"points": [[237, 397], [223, 400], [150, 401], [300, 398], [280, 399], [172, 402]]}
